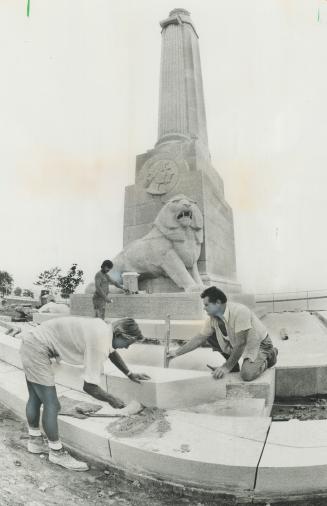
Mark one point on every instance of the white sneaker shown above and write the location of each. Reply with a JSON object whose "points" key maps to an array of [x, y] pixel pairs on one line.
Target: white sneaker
{"points": [[36, 444], [62, 458]]}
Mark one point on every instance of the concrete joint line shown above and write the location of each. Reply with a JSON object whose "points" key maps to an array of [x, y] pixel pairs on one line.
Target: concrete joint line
{"points": [[258, 464]]}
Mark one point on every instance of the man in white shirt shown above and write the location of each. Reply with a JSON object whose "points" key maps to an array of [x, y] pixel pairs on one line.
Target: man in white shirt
{"points": [[76, 341], [234, 331]]}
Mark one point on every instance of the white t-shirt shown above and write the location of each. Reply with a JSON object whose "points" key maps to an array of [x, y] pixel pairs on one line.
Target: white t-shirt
{"points": [[237, 318], [78, 341]]}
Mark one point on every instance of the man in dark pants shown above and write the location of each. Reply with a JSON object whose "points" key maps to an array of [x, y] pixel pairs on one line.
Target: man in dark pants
{"points": [[234, 331], [101, 295], [76, 341]]}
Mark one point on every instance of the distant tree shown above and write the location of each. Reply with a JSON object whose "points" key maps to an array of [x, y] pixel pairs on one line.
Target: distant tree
{"points": [[18, 291], [6, 282], [28, 293], [49, 278], [70, 282]]}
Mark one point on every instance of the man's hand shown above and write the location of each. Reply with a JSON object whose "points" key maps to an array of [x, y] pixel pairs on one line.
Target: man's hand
{"points": [[108, 300], [137, 378], [219, 372], [115, 402]]}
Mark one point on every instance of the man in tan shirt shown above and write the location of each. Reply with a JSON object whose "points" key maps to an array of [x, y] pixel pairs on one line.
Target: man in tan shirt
{"points": [[234, 331]]}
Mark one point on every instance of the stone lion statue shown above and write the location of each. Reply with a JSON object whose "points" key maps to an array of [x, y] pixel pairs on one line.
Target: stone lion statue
{"points": [[171, 248]]}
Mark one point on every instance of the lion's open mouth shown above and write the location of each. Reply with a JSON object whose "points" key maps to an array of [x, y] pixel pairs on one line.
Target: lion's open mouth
{"points": [[184, 214]]}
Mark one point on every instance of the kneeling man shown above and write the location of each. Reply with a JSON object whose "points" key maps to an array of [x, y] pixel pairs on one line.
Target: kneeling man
{"points": [[76, 341], [234, 331]]}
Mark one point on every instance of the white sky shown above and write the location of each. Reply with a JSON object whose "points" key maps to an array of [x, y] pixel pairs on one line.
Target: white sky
{"points": [[79, 100]]}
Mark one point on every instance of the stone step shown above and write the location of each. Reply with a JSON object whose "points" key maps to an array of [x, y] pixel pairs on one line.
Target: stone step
{"points": [[210, 452], [294, 461], [167, 388]]}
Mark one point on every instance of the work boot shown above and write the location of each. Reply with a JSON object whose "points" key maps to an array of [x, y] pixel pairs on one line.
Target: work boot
{"points": [[36, 444], [62, 458], [272, 357]]}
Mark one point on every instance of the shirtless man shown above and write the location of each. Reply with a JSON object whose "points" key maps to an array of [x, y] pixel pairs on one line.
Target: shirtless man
{"points": [[101, 294]]}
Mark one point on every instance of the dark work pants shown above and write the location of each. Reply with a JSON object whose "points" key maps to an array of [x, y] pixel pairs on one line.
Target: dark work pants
{"points": [[250, 370]]}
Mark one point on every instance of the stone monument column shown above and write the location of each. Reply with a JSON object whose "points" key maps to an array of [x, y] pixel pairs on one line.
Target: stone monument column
{"points": [[181, 108], [180, 161]]}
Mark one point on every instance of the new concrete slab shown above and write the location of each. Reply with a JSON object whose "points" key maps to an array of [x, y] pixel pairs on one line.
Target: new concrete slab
{"points": [[167, 388], [294, 460], [223, 454], [201, 450]]}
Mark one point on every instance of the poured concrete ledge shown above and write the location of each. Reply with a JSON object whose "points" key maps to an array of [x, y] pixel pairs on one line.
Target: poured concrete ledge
{"points": [[222, 456], [294, 460]]}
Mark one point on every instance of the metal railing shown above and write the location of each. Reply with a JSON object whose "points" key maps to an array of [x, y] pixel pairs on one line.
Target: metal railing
{"points": [[307, 300]]}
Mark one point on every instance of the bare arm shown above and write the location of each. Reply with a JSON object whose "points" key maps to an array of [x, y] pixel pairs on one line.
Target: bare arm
{"points": [[234, 357], [193, 344], [237, 351], [120, 364], [98, 393], [118, 285]]}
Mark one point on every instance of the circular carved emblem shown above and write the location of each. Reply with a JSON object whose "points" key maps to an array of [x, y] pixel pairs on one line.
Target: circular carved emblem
{"points": [[159, 176]]}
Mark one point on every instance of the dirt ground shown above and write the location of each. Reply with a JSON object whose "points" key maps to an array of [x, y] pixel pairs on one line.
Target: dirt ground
{"points": [[300, 408], [30, 480]]}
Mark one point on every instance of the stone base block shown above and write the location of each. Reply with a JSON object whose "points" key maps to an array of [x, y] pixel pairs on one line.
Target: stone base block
{"points": [[166, 285], [262, 387], [155, 306], [167, 388]]}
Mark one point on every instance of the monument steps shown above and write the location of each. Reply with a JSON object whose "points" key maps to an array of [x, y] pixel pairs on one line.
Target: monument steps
{"points": [[243, 457]]}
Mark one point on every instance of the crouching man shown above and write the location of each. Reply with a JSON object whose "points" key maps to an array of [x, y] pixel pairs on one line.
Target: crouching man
{"points": [[234, 331], [76, 341]]}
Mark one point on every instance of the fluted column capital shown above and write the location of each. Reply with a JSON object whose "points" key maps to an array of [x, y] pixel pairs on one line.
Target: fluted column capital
{"points": [[178, 17]]}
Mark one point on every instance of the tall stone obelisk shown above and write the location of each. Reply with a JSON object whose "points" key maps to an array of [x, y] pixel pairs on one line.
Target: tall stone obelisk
{"points": [[180, 162]]}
